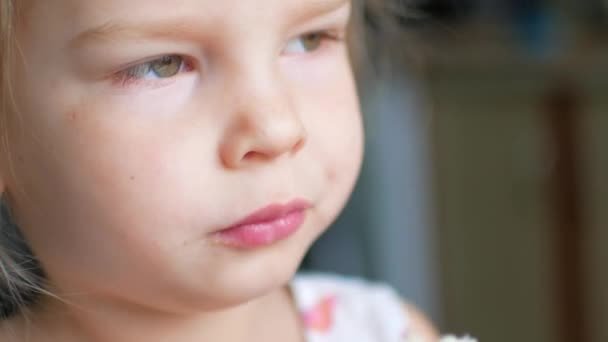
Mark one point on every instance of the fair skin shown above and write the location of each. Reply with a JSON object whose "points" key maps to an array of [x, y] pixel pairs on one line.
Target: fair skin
{"points": [[117, 182]]}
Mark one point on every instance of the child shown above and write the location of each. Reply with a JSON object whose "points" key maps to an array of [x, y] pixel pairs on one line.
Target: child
{"points": [[169, 163]]}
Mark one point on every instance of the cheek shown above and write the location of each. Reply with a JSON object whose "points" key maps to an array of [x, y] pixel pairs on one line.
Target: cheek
{"points": [[153, 169], [335, 122], [332, 117], [105, 191], [341, 153]]}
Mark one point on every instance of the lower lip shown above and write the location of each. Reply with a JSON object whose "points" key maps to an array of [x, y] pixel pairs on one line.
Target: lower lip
{"points": [[262, 234]]}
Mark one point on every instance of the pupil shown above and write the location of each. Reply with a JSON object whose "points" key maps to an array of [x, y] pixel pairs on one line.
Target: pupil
{"points": [[312, 41]]}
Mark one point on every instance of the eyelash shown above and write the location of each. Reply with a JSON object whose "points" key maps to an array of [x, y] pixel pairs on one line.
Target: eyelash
{"points": [[131, 75]]}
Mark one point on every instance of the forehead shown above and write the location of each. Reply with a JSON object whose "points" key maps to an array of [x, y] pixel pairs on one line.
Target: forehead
{"points": [[83, 12], [73, 18]]}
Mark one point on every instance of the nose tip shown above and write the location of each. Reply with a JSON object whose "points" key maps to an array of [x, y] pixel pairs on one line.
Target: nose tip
{"points": [[274, 149], [263, 142]]}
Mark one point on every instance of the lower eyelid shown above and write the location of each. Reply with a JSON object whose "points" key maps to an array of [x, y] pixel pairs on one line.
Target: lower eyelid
{"points": [[143, 83]]}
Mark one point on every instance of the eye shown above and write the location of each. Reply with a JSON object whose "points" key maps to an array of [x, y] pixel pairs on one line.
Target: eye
{"points": [[161, 68], [308, 43]]}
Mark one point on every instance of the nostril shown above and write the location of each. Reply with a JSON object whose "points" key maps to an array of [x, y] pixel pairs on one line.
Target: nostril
{"points": [[299, 145], [251, 155]]}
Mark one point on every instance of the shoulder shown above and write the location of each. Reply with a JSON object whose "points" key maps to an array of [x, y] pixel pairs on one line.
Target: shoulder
{"points": [[420, 325], [371, 306]]}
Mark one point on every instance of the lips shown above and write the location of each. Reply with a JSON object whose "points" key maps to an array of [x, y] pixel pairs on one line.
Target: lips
{"points": [[265, 226]]}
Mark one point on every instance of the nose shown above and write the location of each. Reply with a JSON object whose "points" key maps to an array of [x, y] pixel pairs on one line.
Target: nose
{"points": [[262, 128]]}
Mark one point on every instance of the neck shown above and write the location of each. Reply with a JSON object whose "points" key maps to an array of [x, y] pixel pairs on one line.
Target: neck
{"points": [[262, 319]]}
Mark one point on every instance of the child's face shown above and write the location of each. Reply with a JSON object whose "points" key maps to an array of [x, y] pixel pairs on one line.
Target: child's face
{"points": [[126, 176]]}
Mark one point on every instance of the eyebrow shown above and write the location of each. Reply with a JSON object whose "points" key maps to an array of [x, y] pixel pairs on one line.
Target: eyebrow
{"points": [[116, 29], [113, 30]]}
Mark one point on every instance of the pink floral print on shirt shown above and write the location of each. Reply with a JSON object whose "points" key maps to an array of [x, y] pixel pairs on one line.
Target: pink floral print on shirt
{"points": [[320, 318]]}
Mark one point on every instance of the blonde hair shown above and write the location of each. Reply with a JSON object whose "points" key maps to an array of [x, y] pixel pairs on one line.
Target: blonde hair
{"points": [[21, 277]]}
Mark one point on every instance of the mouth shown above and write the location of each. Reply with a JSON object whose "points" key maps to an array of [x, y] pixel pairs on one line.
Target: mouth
{"points": [[265, 226]]}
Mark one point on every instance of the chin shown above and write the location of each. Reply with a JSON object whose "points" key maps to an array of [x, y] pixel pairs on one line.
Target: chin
{"points": [[271, 269], [247, 275]]}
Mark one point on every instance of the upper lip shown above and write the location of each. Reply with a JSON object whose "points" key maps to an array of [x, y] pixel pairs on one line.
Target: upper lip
{"points": [[272, 212]]}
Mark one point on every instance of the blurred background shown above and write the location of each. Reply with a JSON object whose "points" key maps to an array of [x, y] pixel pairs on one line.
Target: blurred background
{"points": [[484, 190]]}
